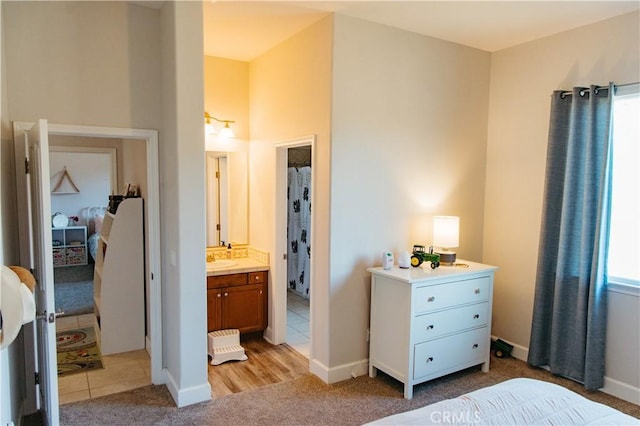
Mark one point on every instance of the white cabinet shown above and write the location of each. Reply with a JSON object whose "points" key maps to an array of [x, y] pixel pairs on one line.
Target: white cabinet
{"points": [[119, 280], [69, 246], [426, 323]]}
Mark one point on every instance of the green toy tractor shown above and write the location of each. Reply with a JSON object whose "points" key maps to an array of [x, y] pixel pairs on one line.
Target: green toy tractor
{"points": [[420, 255]]}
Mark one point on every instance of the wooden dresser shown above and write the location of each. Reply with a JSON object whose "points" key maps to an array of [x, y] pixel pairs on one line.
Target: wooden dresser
{"points": [[426, 323]]}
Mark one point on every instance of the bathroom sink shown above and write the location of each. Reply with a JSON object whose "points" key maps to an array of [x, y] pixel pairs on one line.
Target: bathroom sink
{"points": [[219, 264]]}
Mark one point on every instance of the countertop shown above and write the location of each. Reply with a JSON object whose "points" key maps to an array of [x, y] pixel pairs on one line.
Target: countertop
{"points": [[243, 264]]}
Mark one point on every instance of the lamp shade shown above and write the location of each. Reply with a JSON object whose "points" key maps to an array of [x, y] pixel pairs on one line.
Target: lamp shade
{"points": [[446, 231], [226, 132]]}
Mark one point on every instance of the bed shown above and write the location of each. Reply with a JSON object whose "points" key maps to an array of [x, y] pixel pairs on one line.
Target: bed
{"points": [[514, 402], [93, 217]]}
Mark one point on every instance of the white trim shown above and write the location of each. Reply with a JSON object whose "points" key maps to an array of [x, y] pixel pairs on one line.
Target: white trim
{"points": [[187, 395], [340, 372], [518, 352], [611, 386], [627, 89], [620, 285], [621, 390]]}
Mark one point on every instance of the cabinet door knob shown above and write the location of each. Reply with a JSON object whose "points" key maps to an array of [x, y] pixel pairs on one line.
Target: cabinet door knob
{"points": [[477, 291], [430, 359], [431, 299], [476, 316], [430, 327], [475, 346], [226, 294], [219, 295]]}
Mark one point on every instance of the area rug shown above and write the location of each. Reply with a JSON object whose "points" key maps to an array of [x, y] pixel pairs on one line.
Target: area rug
{"points": [[73, 298], [78, 351]]}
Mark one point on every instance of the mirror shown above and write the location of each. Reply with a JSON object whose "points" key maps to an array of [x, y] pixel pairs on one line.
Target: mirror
{"points": [[227, 198]]}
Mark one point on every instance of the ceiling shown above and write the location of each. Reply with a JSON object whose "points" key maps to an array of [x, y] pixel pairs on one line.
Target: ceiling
{"points": [[243, 30]]}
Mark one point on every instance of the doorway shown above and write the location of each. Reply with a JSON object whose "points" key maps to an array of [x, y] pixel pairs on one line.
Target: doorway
{"points": [[85, 172], [136, 139], [298, 247], [294, 289]]}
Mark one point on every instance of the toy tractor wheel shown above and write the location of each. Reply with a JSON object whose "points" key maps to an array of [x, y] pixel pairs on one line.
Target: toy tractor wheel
{"points": [[416, 261], [434, 265]]}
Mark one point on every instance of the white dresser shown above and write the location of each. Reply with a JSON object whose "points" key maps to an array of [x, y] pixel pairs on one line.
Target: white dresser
{"points": [[426, 323]]}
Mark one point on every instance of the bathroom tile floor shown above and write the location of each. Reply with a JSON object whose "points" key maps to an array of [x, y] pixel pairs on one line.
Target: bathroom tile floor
{"points": [[298, 322], [123, 371]]}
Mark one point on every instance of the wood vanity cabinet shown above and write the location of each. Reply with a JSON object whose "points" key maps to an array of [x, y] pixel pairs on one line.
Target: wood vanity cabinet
{"points": [[237, 301]]}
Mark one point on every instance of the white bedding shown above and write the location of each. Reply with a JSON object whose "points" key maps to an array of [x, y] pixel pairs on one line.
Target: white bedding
{"points": [[514, 402]]}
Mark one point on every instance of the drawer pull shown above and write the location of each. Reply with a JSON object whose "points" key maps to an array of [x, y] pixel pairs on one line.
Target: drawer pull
{"points": [[477, 291], [430, 359], [475, 346], [257, 278], [476, 316], [431, 299], [430, 327]]}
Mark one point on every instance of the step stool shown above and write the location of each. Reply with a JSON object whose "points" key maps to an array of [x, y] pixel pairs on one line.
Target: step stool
{"points": [[224, 345]]}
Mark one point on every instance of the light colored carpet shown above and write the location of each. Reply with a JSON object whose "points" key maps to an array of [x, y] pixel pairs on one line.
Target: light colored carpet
{"points": [[307, 400]]}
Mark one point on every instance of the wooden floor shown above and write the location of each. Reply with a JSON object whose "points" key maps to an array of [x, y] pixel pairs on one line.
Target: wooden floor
{"points": [[267, 364]]}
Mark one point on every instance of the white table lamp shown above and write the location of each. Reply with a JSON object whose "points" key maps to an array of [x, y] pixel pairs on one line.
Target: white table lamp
{"points": [[446, 235]]}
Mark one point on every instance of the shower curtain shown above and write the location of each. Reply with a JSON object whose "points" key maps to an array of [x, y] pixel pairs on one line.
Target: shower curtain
{"points": [[298, 225]]}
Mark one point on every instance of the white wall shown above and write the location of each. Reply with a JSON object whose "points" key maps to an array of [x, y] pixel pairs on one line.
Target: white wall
{"points": [[408, 142], [90, 172], [522, 80], [290, 88], [12, 389], [182, 181], [122, 65]]}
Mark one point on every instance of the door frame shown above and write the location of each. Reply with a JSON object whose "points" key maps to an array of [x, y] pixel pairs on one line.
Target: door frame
{"points": [[280, 281], [153, 271]]}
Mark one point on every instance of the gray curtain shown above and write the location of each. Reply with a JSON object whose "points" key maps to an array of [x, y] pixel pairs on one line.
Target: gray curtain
{"points": [[570, 304]]}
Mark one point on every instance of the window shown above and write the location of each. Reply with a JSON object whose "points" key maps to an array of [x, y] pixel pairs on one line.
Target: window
{"points": [[624, 243]]}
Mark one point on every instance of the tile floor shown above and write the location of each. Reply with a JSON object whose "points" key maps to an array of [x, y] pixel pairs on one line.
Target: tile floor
{"points": [[298, 323], [123, 371]]}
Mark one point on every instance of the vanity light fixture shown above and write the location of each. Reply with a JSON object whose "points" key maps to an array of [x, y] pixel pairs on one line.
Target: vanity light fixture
{"points": [[446, 235], [225, 133]]}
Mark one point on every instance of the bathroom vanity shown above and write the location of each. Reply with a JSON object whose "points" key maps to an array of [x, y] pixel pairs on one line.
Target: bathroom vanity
{"points": [[237, 294]]}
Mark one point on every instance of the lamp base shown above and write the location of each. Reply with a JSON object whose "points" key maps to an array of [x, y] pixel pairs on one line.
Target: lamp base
{"points": [[447, 258]]}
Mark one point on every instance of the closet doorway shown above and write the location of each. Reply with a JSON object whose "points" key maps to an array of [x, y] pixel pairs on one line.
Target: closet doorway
{"points": [[295, 161]]}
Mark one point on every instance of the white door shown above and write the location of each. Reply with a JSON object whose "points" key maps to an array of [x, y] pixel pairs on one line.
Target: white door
{"points": [[39, 200]]}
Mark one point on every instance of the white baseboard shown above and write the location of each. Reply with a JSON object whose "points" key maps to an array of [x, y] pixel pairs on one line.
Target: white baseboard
{"points": [[621, 390], [612, 387], [268, 335], [147, 345], [339, 373], [188, 396]]}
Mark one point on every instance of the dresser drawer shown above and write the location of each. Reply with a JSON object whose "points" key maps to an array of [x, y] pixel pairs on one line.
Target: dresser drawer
{"points": [[437, 324], [435, 297], [450, 352]]}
